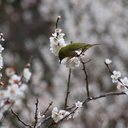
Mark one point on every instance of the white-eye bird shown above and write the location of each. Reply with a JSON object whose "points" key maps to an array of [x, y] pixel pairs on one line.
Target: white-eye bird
{"points": [[70, 50]]}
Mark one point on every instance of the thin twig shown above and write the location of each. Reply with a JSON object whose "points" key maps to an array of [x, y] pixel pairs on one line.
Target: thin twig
{"points": [[58, 18], [46, 119], [108, 94], [6, 112], [86, 76], [68, 115], [49, 117], [109, 70], [25, 124], [36, 119], [103, 95], [68, 89], [48, 108], [30, 60], [53, 123]]}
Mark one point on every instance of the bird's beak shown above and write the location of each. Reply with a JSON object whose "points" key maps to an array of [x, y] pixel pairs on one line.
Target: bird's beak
{"points": [[60, 61]]}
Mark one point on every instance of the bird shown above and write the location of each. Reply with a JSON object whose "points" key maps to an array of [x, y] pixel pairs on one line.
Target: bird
{"points": [[70, 50]]}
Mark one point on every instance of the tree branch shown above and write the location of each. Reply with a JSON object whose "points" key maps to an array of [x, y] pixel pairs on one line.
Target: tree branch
{"points": [[68, 87], [25, 124], [86, 76]]}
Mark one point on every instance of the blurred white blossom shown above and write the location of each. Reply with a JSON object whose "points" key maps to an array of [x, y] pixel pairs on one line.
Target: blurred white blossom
{"points": [[123, 85], [57, 41], [57, 115], [122, 88], [71, 62], [78, 104], [10, 71], [1, 48], [108, 61], [27, 74], [40, 116], [1, 61], [76, 113], [14, 93], [2, 94], [115, 76], [14, 79], [2, 37]]}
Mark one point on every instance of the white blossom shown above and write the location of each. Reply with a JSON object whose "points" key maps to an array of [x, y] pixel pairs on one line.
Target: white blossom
{"points": [[57, 41], [40, 116], [123, 85], [56, 45], [71, 62], [1, 61], [23, 87], [78, 104], [2, 94], [10, 71], [108, 61], [27, 74], [57, 115], [13, 92], [58, 30], [115, 76], [2, 37], [124, 81], [14, 79], [122, 88], [76, 113], [1, 48]]}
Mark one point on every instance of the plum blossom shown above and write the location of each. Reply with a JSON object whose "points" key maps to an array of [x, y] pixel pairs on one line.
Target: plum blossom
{"points": [[10, 71], [115, 76], [57, 115], [2, 37], [123, 85], [14, 79], [1, 61], [57, 41], [108, 61], [78, 104], [71, 62], [40, 116], [27, 74]]}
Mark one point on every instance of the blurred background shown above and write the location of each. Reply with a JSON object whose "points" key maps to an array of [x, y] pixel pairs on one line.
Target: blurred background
{"points": [[27, 26]]}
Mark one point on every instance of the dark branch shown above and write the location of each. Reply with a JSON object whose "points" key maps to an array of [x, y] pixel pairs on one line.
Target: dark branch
{"points": [[36, 119], [86, 76], [25, 124], [48, 108], [103, 95], [68, 89]]}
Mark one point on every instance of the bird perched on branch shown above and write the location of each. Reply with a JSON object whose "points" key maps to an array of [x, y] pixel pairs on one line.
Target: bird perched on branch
{"points": [[70, 50]]}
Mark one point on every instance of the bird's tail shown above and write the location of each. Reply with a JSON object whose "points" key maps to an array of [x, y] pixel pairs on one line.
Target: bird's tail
{"points": [[89, 46]]}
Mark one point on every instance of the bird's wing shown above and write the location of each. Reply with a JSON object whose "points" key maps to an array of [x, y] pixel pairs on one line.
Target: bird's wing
{"points": [[76, 46]]}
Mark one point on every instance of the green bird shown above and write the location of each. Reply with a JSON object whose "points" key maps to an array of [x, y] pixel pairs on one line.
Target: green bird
{"points": [[70, 50]]}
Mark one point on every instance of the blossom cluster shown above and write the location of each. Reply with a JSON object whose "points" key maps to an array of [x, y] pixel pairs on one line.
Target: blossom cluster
{"points": [[122, 84], [16, 89], [58, 115], [40, 116], [1, 49], [56, 43]]}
